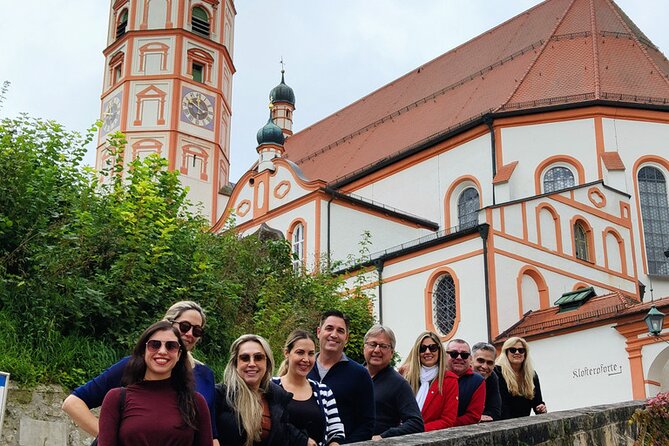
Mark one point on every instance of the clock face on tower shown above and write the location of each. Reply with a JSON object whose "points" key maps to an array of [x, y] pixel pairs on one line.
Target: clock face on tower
{"points": [[111, 115], [197, 108]]}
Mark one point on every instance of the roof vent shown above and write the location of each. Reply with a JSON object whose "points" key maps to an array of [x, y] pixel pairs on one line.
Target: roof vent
{"points": [[574, 299]]}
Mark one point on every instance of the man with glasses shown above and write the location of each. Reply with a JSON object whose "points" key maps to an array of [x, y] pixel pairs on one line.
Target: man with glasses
{"points": [[471, 386], [483, 357], [349, 381], [397, 412]]}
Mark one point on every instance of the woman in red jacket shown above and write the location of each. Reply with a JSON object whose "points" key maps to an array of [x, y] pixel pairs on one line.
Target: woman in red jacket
{"points": [[436, 388]]}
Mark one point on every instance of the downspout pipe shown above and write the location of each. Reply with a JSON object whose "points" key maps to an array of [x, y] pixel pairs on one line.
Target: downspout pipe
{"points": [[379, 271], [493, 154], [483, 232]]}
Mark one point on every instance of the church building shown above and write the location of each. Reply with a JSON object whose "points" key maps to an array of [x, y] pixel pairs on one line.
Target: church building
{"points": [[513, 186]]}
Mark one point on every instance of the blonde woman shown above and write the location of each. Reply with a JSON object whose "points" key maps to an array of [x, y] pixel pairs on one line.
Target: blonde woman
{"points": [[435, 387], [313, 408], [518, 382], [250, 408]]}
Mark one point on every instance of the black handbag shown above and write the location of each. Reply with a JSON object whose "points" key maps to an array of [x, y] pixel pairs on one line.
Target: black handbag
{"points": [[121, 407]]}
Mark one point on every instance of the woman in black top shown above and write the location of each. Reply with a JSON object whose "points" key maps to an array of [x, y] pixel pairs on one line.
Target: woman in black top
{"points": [[518, 382]]}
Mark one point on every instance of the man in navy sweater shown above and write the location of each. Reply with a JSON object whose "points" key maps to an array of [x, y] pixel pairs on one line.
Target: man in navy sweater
{"points": [[349, 381]]}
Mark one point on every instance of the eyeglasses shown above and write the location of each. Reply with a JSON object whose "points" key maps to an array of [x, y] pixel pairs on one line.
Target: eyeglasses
{"points": [[373, 345], [515, 350], [257, 357], [154, 345], [453, 354], [432, 347], [185, 327], [483, 361]]}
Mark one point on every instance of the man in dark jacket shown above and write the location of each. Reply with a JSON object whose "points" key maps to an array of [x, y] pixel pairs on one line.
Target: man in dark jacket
{"points": [[397, 412], [483, 362], [471, 386]]}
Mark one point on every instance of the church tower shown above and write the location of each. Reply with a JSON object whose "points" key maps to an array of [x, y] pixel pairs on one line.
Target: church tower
{"points": [[168, 87]]}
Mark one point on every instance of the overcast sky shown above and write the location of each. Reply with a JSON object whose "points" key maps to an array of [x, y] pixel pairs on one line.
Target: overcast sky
{"points": [[335, 52]]}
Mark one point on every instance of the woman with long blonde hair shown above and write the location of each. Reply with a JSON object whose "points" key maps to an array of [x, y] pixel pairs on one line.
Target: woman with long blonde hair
{"points": [[518, 381], [435, 387], [250, 408]]}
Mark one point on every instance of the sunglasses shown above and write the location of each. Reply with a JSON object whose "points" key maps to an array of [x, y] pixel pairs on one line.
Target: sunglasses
{"points": [[453, 354], [185, 327], [432, 347], [257, 357], [515, 350], [154, 345]]}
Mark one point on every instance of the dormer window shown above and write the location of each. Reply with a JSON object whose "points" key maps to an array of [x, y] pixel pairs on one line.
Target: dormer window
{"points": [[200, 21], [122, 24]]}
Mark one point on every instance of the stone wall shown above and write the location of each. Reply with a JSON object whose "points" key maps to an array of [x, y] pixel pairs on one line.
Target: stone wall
{"points": [[34, 417]]}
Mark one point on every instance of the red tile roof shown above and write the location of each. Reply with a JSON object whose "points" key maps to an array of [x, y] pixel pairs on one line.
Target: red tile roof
{"points": [[504, 173], [596, 311], [559, 52]]}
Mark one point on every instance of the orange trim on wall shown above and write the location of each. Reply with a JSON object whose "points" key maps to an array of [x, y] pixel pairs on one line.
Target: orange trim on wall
{"points": [[591, 210], [589, 237], [599, 144], [285, 188], [429, 250], [289, 237], [448, 197], [317, 234], [439, 264], [429, 317], [539, 281], [573, 162], [499, 161], [579, 285], [523, 208], [557, 225]]}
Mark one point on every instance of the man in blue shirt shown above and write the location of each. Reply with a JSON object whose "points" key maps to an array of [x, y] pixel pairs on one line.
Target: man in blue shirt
{"points": [[349, 381]]}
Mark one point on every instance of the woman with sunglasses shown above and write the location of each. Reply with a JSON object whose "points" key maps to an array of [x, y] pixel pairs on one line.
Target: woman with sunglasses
{"points": [[435, 387], [250, 408], [313, 407], [189, 318], [518, 382], [158, 404]]}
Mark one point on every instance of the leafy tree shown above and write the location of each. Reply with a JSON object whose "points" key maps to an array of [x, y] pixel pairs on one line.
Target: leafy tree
{"points": [[86, 265]]}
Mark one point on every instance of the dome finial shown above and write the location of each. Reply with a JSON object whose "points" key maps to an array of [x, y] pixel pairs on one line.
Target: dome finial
{"points": [[282, 69]]}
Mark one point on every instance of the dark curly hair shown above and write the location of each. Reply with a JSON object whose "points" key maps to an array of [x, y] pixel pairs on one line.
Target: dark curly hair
{"points": [[182, 373]]}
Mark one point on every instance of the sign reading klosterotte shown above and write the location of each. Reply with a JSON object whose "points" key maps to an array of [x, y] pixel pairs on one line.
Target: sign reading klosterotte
{"points": [[601, 369]]}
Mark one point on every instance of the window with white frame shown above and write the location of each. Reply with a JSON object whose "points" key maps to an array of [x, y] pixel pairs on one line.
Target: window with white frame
{"points": [[444, 309], [655, 218], [558, 178], [297, 241], [581, 241], [468, 207]]}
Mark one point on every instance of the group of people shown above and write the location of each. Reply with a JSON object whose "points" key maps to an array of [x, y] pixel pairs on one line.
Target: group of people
{"points": [[161, 395]]}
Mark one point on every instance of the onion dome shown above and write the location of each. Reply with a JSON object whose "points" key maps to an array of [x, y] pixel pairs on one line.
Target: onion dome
{"points": [[270, 133], [282, 93]]}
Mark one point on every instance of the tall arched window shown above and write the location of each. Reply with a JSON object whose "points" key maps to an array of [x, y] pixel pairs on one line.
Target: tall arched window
{"points": [[297, 241], [581, 247], [468, 206], [122, 24], [200, 21], [655, 217], [444, 309], [558, 178]]}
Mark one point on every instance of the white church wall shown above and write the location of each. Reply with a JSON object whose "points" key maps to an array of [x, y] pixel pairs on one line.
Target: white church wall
{"points": [[421, 188], [284, 187], [583, 368], [531, 145]]}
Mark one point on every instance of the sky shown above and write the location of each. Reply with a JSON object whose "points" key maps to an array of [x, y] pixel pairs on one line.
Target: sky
{"points": [[335, 52]]}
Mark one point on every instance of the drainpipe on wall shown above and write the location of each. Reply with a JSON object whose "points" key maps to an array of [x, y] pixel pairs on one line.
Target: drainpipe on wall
{"points": [[483, 232], [489, 122], [379, 271]]}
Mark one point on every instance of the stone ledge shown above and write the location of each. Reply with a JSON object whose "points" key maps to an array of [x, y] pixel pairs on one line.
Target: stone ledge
{"points": [[605, 425]]}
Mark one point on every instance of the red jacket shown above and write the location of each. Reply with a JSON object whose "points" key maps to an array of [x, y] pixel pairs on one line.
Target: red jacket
{"points": [[474, 410], [441, 409]]}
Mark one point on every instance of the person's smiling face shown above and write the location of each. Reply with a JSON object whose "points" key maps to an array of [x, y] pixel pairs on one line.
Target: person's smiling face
{"points": [[430, 356]]}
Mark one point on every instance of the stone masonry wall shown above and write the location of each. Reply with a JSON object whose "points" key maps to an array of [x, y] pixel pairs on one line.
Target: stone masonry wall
{"points": [[34, 417]]}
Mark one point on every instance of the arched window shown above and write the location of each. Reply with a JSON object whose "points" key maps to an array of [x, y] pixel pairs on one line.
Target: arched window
{"points": [[200, 21], [655, 217], [581, 247], [558, 178], [444, 304], [297, 241], [122, 24], [468, 206]]}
